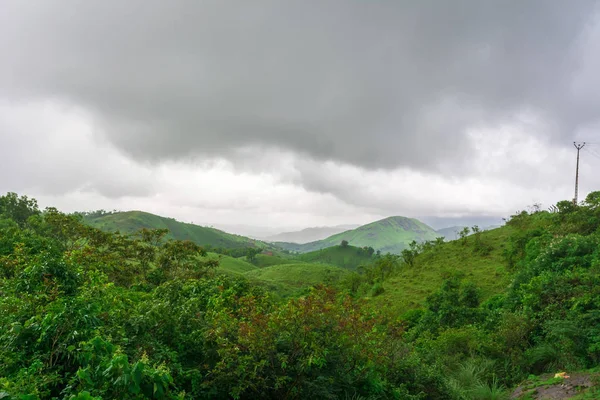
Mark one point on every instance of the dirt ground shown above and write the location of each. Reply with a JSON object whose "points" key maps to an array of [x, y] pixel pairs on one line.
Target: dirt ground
{"points": [[565, 389]]}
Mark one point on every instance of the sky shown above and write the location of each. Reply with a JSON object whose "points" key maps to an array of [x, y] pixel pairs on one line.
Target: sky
{"points": [[298, 113]]}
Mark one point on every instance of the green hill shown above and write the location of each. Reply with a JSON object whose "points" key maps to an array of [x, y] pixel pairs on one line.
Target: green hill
{"points": [[349, 257], [132, 221], [392, 234], [233, 265], [410, 287], [288, 279], [309, 234], [266, 260]]}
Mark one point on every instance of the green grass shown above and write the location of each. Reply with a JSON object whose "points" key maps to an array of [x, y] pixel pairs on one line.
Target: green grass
{"points": [[265, 260], [391, 235], [348, 257], [411, 286], [231, 265], [290, 279], [132, 221]]}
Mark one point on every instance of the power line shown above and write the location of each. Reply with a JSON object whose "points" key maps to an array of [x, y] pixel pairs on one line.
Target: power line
{"points": [[592, 152]]}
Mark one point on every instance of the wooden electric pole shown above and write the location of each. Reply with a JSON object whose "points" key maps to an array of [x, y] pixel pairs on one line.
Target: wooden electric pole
{"points": [[578, 146]]}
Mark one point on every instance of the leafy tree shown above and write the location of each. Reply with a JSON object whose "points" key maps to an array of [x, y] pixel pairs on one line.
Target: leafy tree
{"points": [[592, 200], [565, 207], [463, 234], [344, 243], [19, 209], [251, 253], [369, 250], [409, 255]]}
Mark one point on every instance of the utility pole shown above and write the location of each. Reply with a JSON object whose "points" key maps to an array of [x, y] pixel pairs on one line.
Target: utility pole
{"points": [[578, 146]]}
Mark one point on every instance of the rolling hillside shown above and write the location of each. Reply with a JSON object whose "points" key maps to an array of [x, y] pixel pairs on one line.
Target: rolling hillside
{"points": [[132, 221], [232, 265], [410, 287], [349, 257], [287, 280], [391, 234]]}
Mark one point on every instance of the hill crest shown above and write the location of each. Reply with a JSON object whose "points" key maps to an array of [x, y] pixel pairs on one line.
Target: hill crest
{"points": [[132, 221], [391, 234], [308, 235]]}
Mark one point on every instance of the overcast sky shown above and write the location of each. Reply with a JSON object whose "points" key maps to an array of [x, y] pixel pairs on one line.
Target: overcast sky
{"points": [[300, 112]]}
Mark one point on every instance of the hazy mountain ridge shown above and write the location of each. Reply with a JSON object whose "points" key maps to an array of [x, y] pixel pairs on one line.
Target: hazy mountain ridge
{"points": [[309, 234], [392, 234]]}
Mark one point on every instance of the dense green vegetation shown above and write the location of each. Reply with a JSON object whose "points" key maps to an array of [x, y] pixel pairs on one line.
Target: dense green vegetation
{"points": [[436, 262], [391, 235], [88, 314]]}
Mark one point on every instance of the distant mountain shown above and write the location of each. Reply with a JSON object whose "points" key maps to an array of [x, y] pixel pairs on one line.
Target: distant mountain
{"points": [[450, 233], [251, 231], [391, 234], [309, 234], [132, 221]]}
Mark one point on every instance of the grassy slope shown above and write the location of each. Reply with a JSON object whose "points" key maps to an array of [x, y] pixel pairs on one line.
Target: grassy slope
{"points": [[388, 235], [410, 287], [232, 265], [288, 279], [132, 221], [349, 257], [265, 260]]}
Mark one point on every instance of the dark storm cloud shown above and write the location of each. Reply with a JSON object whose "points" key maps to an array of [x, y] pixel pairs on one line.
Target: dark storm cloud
{"points": [[375, 84]]}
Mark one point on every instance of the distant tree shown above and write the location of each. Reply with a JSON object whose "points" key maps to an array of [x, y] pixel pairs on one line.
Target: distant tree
{"points": [[353, 281], [251, 253], [409, 255], [535, 208], [477, 233], [152, 236], [386, 265], [344, 243], [463, 234]]}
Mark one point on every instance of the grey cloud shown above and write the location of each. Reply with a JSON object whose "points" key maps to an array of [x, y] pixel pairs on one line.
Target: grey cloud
{"points": [[375, 84], [41, 153]]}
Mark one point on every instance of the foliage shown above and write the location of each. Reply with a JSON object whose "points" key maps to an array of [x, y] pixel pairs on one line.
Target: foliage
{"points": [[86, 314]]}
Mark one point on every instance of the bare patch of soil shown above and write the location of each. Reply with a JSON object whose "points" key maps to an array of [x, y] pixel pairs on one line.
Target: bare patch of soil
{"points": [[565, 389]]}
